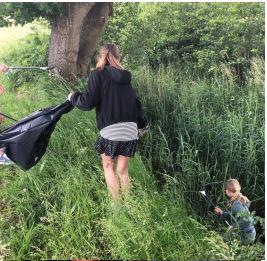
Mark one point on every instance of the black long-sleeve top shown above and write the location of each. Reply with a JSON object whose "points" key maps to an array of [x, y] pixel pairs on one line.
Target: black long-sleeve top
{"points": [[110, 92]]}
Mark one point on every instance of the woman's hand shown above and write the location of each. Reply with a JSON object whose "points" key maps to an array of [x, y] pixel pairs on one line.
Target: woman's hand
{"points": [[69, 96], [218, 211], [3, 68], [143, 131]]}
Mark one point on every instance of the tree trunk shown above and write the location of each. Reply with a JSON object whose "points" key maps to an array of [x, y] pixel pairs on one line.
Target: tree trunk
{"points": [[95, 22], [68, 31]]}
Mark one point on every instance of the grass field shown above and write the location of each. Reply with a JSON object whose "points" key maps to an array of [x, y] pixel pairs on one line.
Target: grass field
{"points": [[60, 209]]}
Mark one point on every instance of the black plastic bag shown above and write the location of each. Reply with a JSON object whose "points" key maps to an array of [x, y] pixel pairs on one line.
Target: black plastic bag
{"points": [[26, 141]]}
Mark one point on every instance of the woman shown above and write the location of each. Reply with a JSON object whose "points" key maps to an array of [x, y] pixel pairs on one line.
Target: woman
{"points": [[240, 213], [119, 116]]}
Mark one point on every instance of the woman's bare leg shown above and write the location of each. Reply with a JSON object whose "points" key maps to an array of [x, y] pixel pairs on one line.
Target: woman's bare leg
{"points": [[122, 171], [111, 179]]}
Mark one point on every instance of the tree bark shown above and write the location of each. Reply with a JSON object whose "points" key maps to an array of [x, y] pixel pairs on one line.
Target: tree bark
{"points": [[74, 37], [95, 22]]}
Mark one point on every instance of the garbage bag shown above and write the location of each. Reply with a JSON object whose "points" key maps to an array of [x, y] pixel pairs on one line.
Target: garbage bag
{"points": [[26, 141]]}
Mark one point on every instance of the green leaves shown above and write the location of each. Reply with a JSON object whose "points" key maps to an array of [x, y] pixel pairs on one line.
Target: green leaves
{"points": [[20, 13], [207, 33]]}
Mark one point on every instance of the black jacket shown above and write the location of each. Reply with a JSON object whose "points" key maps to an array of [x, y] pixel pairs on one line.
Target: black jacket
{"points": [[111, 93]]}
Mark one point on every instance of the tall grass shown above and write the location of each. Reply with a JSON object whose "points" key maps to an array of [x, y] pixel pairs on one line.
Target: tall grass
{"points": [[61, 209], [204, 130]]}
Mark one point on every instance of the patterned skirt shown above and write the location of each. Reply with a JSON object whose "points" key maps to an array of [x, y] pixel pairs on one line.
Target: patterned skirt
{"points": [[115, 148]]}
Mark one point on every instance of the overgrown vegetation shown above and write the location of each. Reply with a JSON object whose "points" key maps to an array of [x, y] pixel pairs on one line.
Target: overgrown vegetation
{"points": [[203, 129], [31, 49], [61, 209], [206, 34]]}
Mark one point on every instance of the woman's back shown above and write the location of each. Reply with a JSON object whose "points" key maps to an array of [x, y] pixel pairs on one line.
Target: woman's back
{"points": [[118, 102]]}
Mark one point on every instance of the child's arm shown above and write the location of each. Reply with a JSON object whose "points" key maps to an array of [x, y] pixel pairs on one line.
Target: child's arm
{"points": [[233, 216], [88, 99], [225, 215]]}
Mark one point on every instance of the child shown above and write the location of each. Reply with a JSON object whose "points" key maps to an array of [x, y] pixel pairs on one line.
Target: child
{"points": [[119, 116], [239, 213]]}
